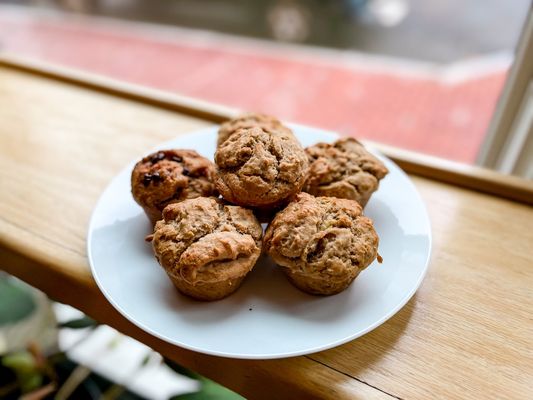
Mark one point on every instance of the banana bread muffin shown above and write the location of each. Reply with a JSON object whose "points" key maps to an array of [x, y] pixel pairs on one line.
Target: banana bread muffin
{"points": [[322, 243], [206, 247], [170, 176], [249, 120], [344, 169], [260, 169]]}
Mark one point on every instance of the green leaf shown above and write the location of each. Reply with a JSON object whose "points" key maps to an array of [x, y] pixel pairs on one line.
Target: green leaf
{"points": [[209, 391], [23, 364], [181, 370], [16, 301], [79, 323], [217, 391], [31, 381], [189, 396], [20, 362], [146, 359]]}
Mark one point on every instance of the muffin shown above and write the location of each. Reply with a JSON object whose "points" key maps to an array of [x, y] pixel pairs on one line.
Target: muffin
{"points": [[321, 243], [170, 176], [206, 247], [260, 169], [249, 120], [344, 169]]}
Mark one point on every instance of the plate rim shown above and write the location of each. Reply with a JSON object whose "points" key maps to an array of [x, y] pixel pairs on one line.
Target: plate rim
{"points": [[270, 355]]}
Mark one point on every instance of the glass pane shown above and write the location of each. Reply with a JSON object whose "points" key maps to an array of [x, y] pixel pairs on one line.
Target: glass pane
{"points": [[419, 74]]}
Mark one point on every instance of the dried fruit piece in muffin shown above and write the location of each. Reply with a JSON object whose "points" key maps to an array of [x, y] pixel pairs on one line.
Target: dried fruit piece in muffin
{"points": [[260, 169], [206, 247], [249, 120], [344, 169], [322, 243], [170, 176]]}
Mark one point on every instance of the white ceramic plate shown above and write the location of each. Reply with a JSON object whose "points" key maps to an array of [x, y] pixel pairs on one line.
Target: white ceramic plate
{"points": [[266, 317]]}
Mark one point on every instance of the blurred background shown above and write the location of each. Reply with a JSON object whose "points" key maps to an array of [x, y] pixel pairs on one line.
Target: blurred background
{"points": [[420, 74], [51, 351]]}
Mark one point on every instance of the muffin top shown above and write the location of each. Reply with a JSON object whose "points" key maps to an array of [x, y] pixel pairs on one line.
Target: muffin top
{"points": [[261, 169], [170, 176], [344, 169], [249, 120], [322, 235], [198, 236]]}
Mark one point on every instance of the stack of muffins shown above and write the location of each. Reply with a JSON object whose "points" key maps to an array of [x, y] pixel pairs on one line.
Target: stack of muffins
{"points": [[207, 232]]}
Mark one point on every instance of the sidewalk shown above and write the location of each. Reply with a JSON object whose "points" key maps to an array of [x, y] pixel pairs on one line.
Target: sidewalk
{"points": [[440, 110]]}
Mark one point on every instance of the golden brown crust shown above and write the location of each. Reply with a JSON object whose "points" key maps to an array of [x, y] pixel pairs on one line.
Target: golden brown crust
{"points": [[207, 247], [171, 176], [260, 169], [344, 169], [323, 243], [249, 120]]}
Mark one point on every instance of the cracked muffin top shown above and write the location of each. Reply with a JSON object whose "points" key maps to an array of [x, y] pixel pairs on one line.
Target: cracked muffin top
{"points": [[322, 236], [198, 236], [344, 169], [170, 176], [260, 169], [249, 120]]}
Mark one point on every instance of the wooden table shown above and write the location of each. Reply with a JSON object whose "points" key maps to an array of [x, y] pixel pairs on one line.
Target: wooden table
{"points": [[467, 333]]}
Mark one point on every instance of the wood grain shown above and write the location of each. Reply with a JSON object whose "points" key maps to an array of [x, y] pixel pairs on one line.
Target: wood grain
{"points": [[466, 334], [468, 331]]}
